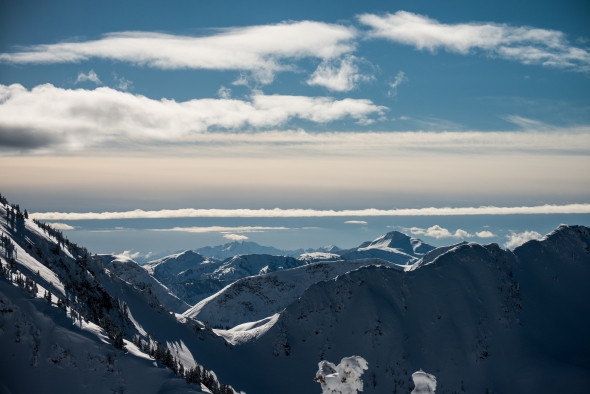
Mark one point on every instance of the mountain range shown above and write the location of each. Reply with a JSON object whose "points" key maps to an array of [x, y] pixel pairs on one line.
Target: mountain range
{"points": [[478, 317]]}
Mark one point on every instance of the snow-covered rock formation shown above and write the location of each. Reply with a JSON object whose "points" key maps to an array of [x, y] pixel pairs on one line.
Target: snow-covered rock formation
{"points": [[424, 383], [344, 378]]}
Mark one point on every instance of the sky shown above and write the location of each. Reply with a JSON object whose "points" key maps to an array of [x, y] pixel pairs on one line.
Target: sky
{"points": [[404, 107]]}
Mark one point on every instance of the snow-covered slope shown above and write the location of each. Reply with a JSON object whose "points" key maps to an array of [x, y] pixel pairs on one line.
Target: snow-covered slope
{"points": [[481, 318], [193, 277], [254, 298], [129, 271], [57, 356], [394, 246], [44, 351]]}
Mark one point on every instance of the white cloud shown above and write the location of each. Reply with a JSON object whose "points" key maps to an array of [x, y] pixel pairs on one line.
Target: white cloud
{"points": [[48, 115], [224, 93], [220, 229], [485, 234], [235, 237], [260, 50], [339, 75], [129, 255], [91, 76], [123, 83], [462, 234], [282, 213], [61, 226], [439, 232], [399, 79], [525, 44], [355, 222], [517, 239]]}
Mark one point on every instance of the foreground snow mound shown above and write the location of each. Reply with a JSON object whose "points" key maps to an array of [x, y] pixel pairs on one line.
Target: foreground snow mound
{"points": [[344, 378], [425, 383]]}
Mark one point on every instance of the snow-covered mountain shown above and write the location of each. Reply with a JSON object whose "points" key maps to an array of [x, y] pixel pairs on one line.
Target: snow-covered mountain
{"points": [[481, 318], [129, 271], [231, 249], [394, 246], [193, 277], [68, 325], [478, 317], [256, 297]]}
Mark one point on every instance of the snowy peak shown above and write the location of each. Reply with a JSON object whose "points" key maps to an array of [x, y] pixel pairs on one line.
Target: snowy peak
{"points": [[174, 264], [394, 247], [222, 252], [400, 241], [326, 249]]}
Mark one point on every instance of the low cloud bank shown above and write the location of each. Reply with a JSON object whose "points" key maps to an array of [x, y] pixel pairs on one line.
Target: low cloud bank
{"points": [[279, 213]]}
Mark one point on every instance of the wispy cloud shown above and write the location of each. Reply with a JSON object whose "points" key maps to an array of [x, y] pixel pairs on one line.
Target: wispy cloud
{"points": [[235, 237], [340, 75], [399, 79], [78, 118], [260, 50], [355, 222], [61, 226], [123, 83], [524, 44], [278, 213], [129, 255], [220, 229], [516, 239], [91, 76]]}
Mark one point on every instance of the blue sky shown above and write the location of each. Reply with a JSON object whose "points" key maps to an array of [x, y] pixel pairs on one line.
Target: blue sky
{"points": [[115, 106]]}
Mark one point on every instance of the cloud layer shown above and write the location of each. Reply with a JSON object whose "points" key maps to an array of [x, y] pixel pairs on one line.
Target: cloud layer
{"points": [[52, 117], [278, 213], [524, 44], [260, 50], [48, 115], [220, 229]]}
